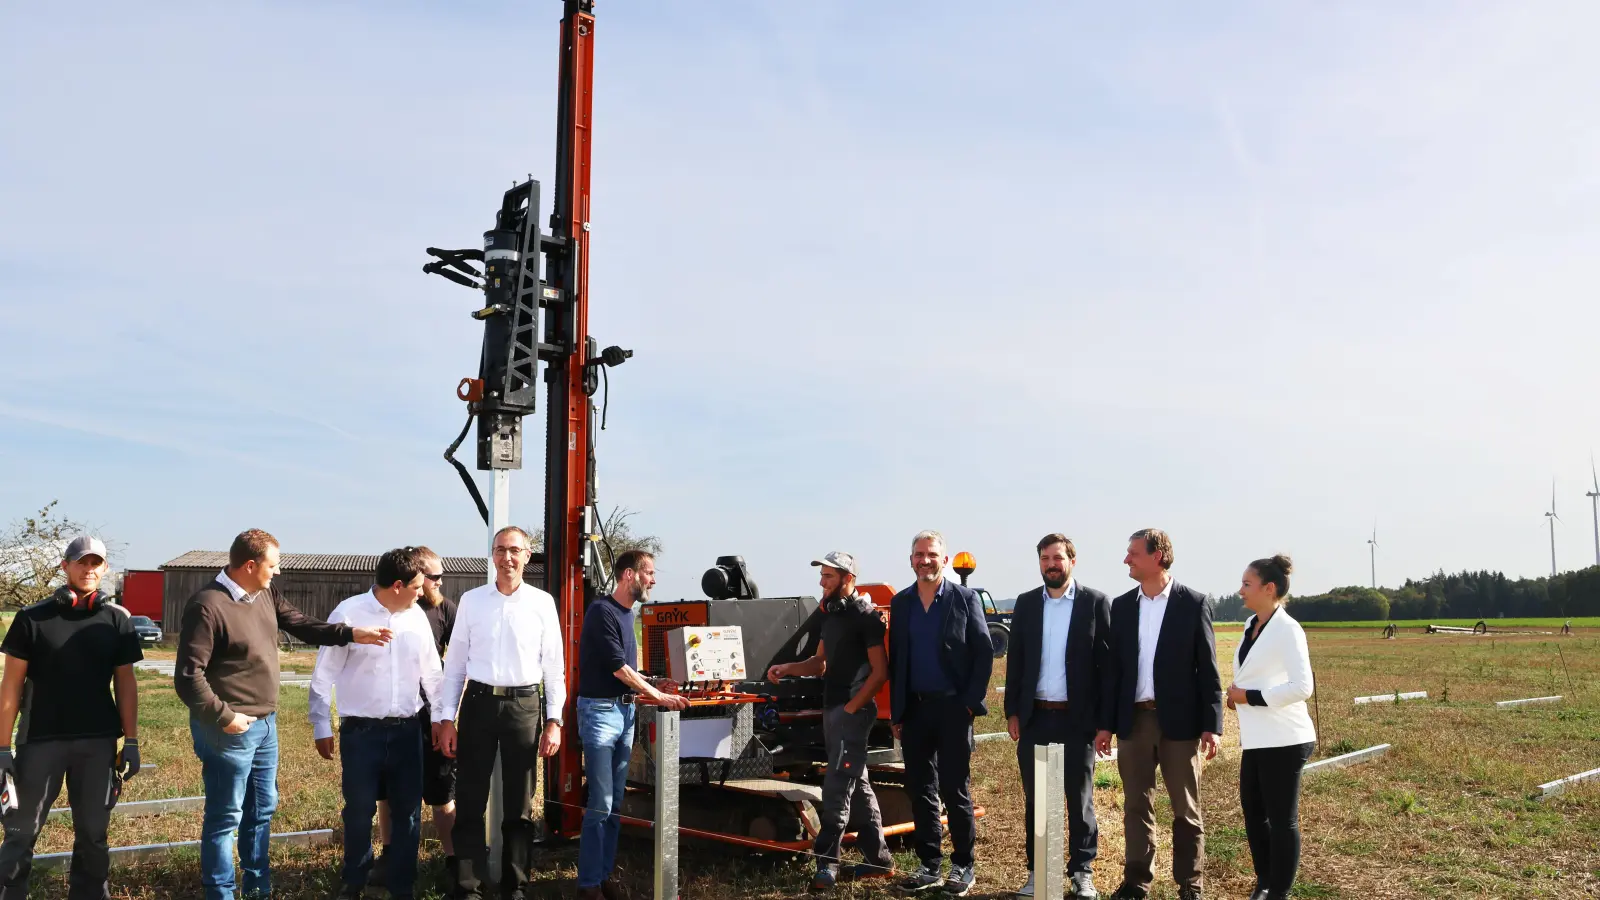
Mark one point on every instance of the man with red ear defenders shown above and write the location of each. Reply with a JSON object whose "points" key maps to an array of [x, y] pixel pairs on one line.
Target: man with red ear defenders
{"points": [[62, 656]]}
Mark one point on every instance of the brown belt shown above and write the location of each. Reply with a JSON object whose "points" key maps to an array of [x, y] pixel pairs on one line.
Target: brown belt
{"points": [[1049, 704], [1146, 705]]}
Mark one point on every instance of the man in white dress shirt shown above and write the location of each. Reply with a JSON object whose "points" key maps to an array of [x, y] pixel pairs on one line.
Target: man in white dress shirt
{"points": [[1166, 714], [506, 643], [379, 691]]}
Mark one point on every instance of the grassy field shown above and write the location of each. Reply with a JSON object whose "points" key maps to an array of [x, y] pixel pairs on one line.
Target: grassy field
{"points": [[1445, 814], [1494, 624]]}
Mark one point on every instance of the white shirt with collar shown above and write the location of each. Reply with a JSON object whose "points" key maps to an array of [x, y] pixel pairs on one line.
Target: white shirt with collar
{"points": [[504, 641], [1152, 612], [1053, 644], [239, 594], [372, 681]]}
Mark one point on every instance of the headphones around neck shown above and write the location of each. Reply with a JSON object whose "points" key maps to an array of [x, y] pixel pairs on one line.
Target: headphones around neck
{"points": [[69, 598]]}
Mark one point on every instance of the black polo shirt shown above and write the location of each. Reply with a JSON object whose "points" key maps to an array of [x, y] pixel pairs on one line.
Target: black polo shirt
{"points": [[72, 653], [849, 626], [606, 645], [442, 619]]}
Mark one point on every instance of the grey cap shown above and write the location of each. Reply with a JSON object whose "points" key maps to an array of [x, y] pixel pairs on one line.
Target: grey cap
{"points": [[82, 546], [838, 559]]}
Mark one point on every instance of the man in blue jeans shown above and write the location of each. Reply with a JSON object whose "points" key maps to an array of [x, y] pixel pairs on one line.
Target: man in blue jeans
{"points": [[608, 685], [380, 693], [227, 674]]}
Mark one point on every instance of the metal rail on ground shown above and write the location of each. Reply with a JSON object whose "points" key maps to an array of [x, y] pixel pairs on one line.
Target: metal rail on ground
{"points": [[1392, 698], [1508, 704], [989, 736], [122, 856], [1552, 788], [143, 807], [1348, 759]]}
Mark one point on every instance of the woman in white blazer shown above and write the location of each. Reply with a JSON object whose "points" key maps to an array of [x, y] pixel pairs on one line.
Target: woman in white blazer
{"points": [[1271, 683]]}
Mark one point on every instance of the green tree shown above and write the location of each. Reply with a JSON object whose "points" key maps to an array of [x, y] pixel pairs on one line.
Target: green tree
{"points": [[30, 556], [1229, 608], [617, 536]]}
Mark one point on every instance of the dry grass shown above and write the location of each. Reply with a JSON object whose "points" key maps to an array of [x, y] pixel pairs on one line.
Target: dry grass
{"points": [[1445, 814]]}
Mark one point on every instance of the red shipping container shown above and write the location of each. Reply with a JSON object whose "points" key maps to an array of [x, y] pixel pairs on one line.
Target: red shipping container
{"points": [[142, 594]]}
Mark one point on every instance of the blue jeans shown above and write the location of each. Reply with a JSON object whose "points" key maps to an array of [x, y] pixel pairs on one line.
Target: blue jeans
{"points": [[606, 728], [240, 774], [374, 753]]}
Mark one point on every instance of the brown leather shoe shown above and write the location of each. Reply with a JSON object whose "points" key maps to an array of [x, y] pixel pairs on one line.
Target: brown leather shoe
{"points": [[590, 893], [612, 889]]}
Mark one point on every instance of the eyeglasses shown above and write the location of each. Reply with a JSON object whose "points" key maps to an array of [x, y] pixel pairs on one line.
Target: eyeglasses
{"points": [[510, 551], [433, 578]]}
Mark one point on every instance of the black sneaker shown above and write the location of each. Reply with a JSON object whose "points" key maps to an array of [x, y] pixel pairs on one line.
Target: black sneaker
{"points": [[1189, 893], [1126, 891], [925, 877], [960, 880]]}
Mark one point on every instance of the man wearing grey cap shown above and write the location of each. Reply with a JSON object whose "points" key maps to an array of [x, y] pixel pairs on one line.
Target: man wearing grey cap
{"points": [[854, 665], [68, 649]]}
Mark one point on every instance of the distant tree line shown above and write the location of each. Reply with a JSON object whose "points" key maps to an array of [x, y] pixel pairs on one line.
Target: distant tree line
{"points": [[1464, 595]]}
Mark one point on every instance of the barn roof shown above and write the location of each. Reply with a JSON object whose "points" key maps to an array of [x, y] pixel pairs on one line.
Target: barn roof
{"points": [[337, 562]]}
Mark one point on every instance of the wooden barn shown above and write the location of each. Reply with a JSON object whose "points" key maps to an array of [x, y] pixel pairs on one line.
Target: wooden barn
{"points": [[314, 582]]}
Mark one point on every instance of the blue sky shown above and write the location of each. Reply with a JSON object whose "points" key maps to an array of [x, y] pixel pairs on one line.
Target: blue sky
{"points": [[1258, 277]]}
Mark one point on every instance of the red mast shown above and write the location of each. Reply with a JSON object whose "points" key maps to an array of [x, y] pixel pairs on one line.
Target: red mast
{"points": [[569, 458]]}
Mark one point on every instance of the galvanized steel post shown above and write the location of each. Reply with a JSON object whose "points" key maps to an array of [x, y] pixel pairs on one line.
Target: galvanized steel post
{"points": [[666, 821], [1049, 831]]}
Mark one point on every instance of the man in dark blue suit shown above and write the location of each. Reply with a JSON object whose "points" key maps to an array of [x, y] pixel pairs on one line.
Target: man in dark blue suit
{"points": [[939, 663], [1167, 713], [1058, 691]]}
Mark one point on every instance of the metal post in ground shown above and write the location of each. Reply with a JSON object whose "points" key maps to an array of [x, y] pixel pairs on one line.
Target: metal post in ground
{"points": [[1049, 829], [499, 517], [666, 820]]}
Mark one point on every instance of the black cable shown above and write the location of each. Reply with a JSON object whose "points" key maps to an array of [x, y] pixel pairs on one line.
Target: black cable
{"points": [[605, 541], [605, 403], [466, 477]]}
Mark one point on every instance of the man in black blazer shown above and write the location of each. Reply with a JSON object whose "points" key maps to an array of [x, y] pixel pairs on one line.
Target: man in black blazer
{"points": [[1058, 692], [940, 658], [1166, 712]]}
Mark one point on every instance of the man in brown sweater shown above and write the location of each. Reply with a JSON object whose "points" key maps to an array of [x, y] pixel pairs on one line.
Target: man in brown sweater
{"points": [[227, 674]]}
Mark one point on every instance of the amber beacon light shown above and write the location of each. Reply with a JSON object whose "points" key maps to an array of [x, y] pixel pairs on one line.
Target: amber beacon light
{"points": [[964, 565]]}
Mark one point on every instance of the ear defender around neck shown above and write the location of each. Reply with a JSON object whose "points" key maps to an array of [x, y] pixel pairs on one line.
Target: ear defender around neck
{"points": [[74, 600]]}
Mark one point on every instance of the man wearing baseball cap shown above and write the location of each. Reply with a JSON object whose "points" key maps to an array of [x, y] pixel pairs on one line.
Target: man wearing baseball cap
{"points": [[853, 664], [62, 655]]}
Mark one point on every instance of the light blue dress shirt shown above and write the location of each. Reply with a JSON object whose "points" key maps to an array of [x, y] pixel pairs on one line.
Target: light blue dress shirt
{"points": [[1053, 653]]}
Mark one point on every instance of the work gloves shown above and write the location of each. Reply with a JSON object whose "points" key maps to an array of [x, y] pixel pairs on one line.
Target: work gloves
{"points": [[128, 759]]}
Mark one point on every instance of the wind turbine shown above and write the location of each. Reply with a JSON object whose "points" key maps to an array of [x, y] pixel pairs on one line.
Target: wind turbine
{"points": [[1551, 515], [1594, 503], [1372, 553]]}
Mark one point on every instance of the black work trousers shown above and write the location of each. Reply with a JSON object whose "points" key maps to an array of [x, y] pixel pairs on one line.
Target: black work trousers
{"points": [[485, 726], [1053, 726], [936, 742], [1269, 792], [85, 765]]}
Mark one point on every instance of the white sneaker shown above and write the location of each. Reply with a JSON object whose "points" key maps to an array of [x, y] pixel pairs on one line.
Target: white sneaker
{"points": [[1027, 888]]}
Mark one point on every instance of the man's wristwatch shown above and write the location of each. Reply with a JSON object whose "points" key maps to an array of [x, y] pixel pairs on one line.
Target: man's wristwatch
{"points": [[555, 722]]}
